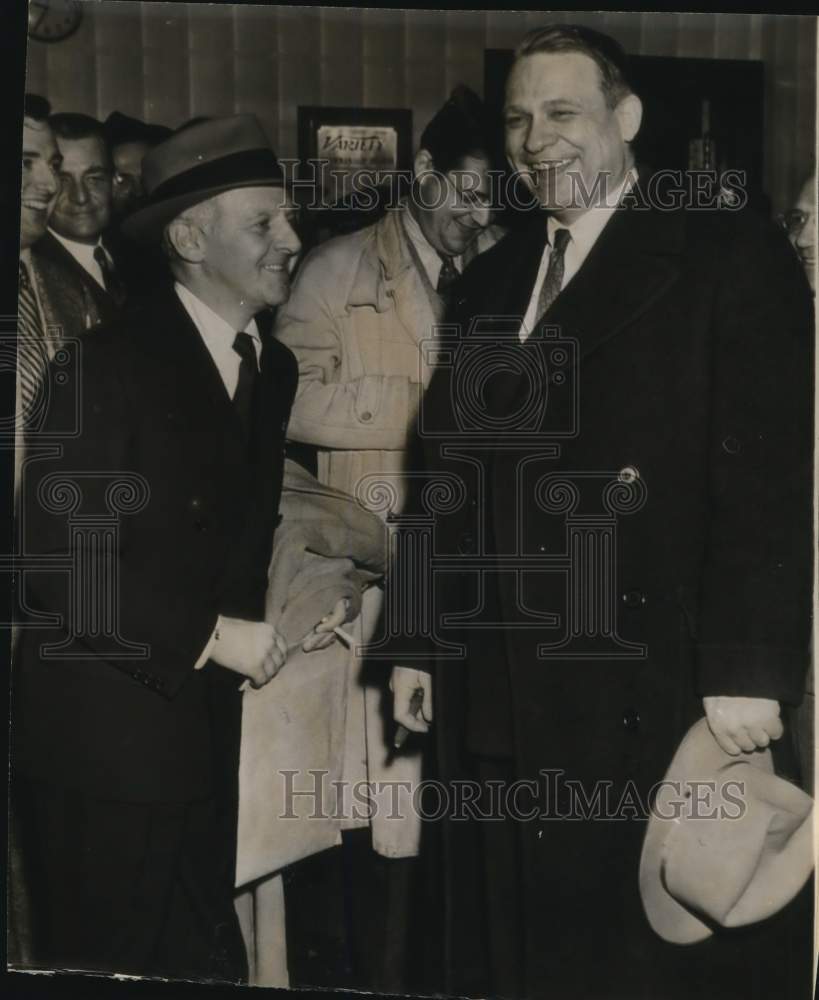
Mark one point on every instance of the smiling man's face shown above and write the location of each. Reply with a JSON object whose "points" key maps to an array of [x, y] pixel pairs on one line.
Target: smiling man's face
{"points": [[250, 247], [453, 208], [41, 181], [562, 134]]}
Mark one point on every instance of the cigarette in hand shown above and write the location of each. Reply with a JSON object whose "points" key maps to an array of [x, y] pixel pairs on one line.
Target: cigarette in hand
{"points": [[345, 637]]}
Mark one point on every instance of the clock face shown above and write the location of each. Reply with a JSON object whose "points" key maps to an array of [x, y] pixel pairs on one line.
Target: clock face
{"points": [[53, 20]]}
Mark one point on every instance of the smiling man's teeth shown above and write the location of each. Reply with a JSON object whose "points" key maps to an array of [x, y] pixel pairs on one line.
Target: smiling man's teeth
{"points": [[551, 164]]}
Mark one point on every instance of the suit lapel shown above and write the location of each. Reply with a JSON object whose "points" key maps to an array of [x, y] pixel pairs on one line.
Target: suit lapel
{"points": [[71, 289], [199, 383], [518, 271], [632, 263]]}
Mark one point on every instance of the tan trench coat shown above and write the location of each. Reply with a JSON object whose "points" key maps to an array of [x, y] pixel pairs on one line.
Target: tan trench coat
{"points": [[357, 320]]}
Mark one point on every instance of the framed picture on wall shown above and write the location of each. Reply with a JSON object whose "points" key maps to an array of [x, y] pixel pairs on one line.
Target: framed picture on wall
{"points": [[350, 149]]}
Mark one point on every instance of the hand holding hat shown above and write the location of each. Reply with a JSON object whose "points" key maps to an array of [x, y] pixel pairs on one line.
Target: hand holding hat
{"points": [[728, 842], [743, 723]]}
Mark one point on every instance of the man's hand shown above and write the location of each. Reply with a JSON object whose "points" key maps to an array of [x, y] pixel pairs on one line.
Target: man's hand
{"points": [[403, 684], [253, 649], [743, 723], [322, 635]]}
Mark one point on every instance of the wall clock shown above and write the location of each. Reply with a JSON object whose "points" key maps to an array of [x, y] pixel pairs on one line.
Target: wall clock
{"points": [[53, 20]]}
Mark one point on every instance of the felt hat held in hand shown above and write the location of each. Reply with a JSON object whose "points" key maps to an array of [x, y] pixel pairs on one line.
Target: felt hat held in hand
{"points": [[728, 842]]}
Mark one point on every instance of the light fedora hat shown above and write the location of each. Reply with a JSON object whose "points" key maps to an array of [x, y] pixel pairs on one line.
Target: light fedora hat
{"points": [[198, 162], [728, 852]]}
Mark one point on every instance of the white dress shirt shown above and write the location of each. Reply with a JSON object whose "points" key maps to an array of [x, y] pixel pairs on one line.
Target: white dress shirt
{"points": [[83, 253], [428, 254], [218, 336], [584, 233]]}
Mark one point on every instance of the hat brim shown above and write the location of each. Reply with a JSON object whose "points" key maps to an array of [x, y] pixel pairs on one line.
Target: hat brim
{"points": [[147, 223], [698, 758]]}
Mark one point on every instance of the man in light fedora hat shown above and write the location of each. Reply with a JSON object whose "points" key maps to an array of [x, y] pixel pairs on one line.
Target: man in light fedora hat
{"points": [[126, 699]]}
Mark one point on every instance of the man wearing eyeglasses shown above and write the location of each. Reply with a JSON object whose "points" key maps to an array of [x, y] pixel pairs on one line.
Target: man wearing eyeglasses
{"points": [[800, 223]]}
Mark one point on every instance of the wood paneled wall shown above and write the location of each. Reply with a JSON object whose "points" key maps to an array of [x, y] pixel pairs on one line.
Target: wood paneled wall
{"points": [[167, 62]]}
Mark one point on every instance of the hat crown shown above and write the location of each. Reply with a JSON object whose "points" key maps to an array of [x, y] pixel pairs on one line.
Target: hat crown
{"points": [[197, 163], [200, 144]]}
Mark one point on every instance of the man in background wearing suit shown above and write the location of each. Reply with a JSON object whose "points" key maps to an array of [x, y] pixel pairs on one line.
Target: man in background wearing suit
{"points": [[646, 457], [126, 711], [76, 267]]}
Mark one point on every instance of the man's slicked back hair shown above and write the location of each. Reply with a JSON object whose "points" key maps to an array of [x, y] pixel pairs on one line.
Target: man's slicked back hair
{"points": [[36, 107], [72, 125], [608, 54]]}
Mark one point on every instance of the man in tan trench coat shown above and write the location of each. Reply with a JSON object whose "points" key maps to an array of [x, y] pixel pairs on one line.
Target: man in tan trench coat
{"points": [[362, 307]]}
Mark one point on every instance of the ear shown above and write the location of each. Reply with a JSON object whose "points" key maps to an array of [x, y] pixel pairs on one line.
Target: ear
{"points": [[422, 163], [188, 240], [629, 114]]}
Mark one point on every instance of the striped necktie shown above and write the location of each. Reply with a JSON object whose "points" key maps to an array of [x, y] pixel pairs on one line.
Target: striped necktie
{"points": [[553, 282], [32, 354], [110, 278], [447, 276]]}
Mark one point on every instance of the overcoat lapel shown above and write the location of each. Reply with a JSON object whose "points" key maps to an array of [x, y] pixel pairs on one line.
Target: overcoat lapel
{"points": [[199, 386], [631, 265], [633, 262]]}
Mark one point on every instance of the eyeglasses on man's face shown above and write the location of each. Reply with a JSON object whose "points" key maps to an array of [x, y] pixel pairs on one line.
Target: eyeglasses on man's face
{"points": [[794, 222]]}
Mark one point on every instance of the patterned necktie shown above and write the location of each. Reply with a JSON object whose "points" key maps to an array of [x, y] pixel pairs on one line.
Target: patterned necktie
{"points": [[110, 278], [32, 353], [552, 283], [248, 370], [447, 277]]}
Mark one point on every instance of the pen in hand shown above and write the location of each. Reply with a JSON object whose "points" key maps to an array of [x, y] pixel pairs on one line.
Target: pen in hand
{"points": [[401, 733]]}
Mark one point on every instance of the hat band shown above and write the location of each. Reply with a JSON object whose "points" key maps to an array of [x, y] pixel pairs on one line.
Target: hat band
{"points": [[236, 168]]}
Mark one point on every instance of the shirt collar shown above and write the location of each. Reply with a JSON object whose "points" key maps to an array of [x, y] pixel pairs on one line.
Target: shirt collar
{"points": [[586, 229], [83, 252], [430, 257], [217, 333]]}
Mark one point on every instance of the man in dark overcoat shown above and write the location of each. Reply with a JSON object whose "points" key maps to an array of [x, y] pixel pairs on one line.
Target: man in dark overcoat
{"points": [[622, 425], [149, 503]]}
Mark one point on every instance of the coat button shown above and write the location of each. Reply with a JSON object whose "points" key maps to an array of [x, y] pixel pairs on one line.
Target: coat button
{"points": [[631, 719], [633, 598], [731, 445], [196, 503], [366, 416], [466, 543], [628, 474]]}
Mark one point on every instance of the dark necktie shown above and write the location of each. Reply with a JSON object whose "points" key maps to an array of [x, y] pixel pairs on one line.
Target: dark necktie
{"points": [[32, 354], [110, 278], [248, 371], [447, 276], [550, 289]]}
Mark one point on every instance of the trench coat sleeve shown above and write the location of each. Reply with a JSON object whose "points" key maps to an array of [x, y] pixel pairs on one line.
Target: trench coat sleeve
{"points": [[176, 629], [327, 547], [362, 412], [754, 608]]}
